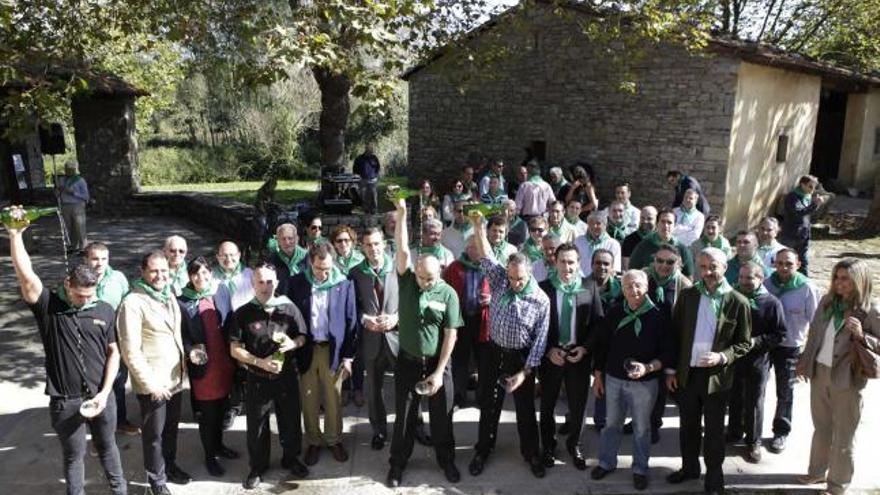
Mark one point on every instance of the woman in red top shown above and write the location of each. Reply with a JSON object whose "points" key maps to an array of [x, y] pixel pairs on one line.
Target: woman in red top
{"points": [[210, 366]]}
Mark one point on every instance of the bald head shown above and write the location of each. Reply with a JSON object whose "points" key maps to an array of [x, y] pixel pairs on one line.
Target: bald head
{"points": [[427, 271]]}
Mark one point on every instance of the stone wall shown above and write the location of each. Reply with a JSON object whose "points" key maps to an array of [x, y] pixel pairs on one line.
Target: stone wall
{"points": [[560, 89], [106, 147]]}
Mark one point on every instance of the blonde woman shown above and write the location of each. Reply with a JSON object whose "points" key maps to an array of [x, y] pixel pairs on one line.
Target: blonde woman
{"points": [[846, 317]]}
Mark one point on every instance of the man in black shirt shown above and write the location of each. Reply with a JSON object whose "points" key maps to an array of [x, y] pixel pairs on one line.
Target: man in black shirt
{"points": [[78, 333], [746, 413], [262, 333], [647, 224]]}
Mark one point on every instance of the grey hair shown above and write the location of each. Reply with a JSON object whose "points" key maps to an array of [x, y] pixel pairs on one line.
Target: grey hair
{"points": [[285, 227], [598, 216], [771, 220], [432, 224], [171, 238], [714, 254], [754, 267], [634, 273], [553, 238], [556, 171], [519, 259]]}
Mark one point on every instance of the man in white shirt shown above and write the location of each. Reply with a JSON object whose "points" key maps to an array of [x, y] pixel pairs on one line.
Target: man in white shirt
{"points": [[623, 193], [557, 223], [455, 237], [688, 219], [573, 217], [596, 238], [768, 246]]}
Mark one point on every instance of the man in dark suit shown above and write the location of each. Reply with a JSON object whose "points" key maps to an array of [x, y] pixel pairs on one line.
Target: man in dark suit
{"points": [[326, 300], [713, 326], [375, 281], [575, 309]]}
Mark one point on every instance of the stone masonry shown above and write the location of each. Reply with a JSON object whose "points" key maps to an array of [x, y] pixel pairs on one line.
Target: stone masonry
{"points": [[559, 88]]}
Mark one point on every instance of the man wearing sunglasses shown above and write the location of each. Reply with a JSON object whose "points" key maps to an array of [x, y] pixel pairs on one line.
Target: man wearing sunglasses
{"points": [[175, 250]]}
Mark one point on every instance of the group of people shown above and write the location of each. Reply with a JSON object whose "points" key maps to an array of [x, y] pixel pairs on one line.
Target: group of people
{"points": [[635, 306]]}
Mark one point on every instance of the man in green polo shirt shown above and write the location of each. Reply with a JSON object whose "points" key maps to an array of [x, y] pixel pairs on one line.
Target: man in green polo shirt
{"points": [[428, 318]]}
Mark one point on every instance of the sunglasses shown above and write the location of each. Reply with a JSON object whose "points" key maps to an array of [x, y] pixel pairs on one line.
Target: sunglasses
{"points": [[314, 227], [537, 229], [182, 251], [665, 261]]}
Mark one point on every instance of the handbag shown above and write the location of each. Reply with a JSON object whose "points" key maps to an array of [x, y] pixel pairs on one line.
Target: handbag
{"points": [[866, 363]]}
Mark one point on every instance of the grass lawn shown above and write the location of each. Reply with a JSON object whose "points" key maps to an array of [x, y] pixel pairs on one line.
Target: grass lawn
{"points": [[287, 192]]}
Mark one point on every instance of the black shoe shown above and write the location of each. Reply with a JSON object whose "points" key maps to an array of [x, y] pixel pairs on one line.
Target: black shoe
{"points": [[214, 468], [598, 426], [753, 453], [565, 429], [733, 436], [176, 475], [394, 476], [537, 467], [577, 458], [451, 473], [599, 472], [777, 445], [681, 476], [252, 481], [548, 459], [298, 469], [628, 428], [421, 436], [655, 436], [378, 442], [714, 491], [478, 463], [158, 490], [640, 482], [227, 453], [312, 454]]}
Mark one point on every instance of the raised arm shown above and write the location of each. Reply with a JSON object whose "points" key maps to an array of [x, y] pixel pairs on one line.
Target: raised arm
{"points": [[30, 284], [482, 242], [401, 237]]}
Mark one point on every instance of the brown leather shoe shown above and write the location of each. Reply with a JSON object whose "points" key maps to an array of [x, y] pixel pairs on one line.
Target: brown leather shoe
{"points": [[339, 452], [312, 454]]}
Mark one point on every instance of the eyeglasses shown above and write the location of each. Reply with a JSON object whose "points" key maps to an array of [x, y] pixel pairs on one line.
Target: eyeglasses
{"points": [[342, 239], [314, 227], [537, 229], [666, 261]]}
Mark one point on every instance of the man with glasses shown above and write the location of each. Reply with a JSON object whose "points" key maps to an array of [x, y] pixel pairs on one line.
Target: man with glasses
{"points": [[643, 254], [746, 251], [455, 237], [545, 266], [532, 246], [647, 225], [519, 318], [326, 300], [429, 316], [175, 250], [800, 299], [596, 238], [262, 334]]}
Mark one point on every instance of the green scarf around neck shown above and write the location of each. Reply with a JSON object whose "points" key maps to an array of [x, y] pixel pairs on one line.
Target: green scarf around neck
{"points": [[228, 278], [569, 293], [836, 311], [752, 296], [190, 292], [654, 238], [617, 231], [510, 295], [468, 263], [161, 296], [796, 281], [533, 250], [634, 316], [335, 278], [716, 297], [293, 261], [686, 214], [368, 270], [594, 243], [111, 293], [62, 294], [805, 198], [661, 282], [536, 179], [346, 264], [500, 252], [613, 290]]}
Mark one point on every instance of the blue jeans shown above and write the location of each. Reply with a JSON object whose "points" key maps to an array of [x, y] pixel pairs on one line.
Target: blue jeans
{"points": [[638, 397]]}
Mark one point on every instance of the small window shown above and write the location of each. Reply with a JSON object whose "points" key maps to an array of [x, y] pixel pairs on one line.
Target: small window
{"points": [[782, 148]]}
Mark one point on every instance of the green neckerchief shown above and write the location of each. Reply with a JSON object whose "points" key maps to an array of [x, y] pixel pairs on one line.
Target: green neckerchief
{"points": [[557, 231], [572, 222], [715, 298], [456, 198], [562, 183], [532, 250], [435, 251], [190, 292], [499, 252], [720, 242], [659, 291], [613, 291], [161, 296], [642, 234], [496, 199], [468, 263], [226, 278], [103, 292], [796, 281], [464, 228], [770, 247], [515, 223], [293, 261], [654, 238], [62, 294], [335, 278], [595, 242], [367, 269], [686, 214], [836, 311], [633, 316], [569, 294], [617, 231], [180, 277], [272, 303], [510, 296], [424, 295], [316, 240], [346, 264], [536, 179], [753, 296], [805, 198]]}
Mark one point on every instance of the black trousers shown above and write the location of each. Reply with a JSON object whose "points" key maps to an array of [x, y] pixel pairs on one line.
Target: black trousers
{"points": [[784, 361], [576, 377], [746, 411], [261, 395], [466, 345], [697, 408], [119, 392], [495, 361], [375, 379], [239, 389], [211, 425], [71, 429], [408, 372], [159, 435]]}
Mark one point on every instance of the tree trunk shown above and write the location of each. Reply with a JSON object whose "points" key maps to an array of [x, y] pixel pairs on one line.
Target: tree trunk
{"points": [[334, 118]]}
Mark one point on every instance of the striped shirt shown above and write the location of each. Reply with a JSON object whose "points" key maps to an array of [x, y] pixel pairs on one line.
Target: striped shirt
{"points": [[521, 324]]}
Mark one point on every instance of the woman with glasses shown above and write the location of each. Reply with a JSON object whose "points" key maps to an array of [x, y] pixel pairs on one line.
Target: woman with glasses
{"points": [[314, 231], [847, 316], [210, 366], [344, 240], [458, 194]]}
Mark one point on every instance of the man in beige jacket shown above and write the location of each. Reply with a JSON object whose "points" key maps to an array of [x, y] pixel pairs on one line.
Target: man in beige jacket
{"points": [[149, 335]]}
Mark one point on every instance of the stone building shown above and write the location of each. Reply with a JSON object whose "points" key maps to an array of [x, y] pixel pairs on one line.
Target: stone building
{"points": [[746, 120], [104, 131]]}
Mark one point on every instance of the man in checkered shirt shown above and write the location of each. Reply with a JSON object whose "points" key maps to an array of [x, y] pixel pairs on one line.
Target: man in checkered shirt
{"points": [[518, 321]]}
